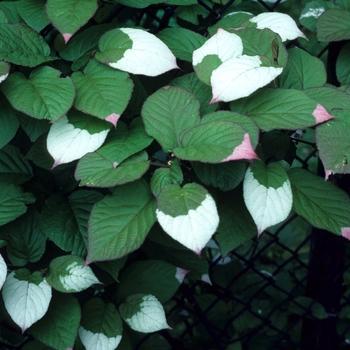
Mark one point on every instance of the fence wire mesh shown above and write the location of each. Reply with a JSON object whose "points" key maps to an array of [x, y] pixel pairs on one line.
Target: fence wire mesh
{"points": [[289, 289]]}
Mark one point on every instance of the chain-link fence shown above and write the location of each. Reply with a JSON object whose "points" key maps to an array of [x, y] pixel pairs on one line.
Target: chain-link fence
{"points": [[286, 290]]}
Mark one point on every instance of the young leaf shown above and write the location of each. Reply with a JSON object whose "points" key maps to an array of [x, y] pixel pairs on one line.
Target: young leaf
{"points": [[321, 203], [26, 297], [267, 194], [187, 214], [106, 167], [13, 166], [215, 142], [280, 23], [167, 113], [59, 327], [69, 15], [219, 48], [101, 326], [281, 109], [12, 202], [333, 25], [182, 42], [236, 224], [25, 241], [155, 277], [135, 51], [65, 221], [3, 271], [28, 49], [79, 48], [50, 96], [119, 223], [303, 71], [75, 135], [143, 313], [33, 13], [239, 77], [102, 91], [68, 274]]}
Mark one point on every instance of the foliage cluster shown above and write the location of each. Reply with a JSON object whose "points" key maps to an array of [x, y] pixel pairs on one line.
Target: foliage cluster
{"points": [[131, 149]]}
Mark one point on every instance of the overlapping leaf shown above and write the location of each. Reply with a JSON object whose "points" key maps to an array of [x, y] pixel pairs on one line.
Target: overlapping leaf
{"points": [[119, 223], [333, 25], [102, 91], [8, 121], [281, 109], [33, 13], [43, 96]]}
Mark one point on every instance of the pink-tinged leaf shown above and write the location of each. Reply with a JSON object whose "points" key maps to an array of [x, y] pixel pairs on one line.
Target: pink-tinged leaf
{"points": [[115, 164], [113, 118], [321, 115], [181, 274], [205, 278], [327, 174], [66, 37], [243, 151], [345, 232]]}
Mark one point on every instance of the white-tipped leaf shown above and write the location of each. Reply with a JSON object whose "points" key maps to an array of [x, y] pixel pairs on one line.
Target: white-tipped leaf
{"points": [[267, 194], [73, 136], [188, 215], [68, 274], [143, 313], [26, 297], [135, 51], [239, 77], [279, 23], [3, 271]]}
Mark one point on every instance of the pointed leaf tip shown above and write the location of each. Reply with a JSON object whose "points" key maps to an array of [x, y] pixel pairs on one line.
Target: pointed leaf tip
{"points": [[321, 115], [181, 274], [327, 174], [345, 232], [243, 151], [205, 278], [66, 37], [113, 118]]}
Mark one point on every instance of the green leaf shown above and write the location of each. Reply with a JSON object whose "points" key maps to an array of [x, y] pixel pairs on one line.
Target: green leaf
{"points": [[26, 297], [267, 194], [225, 176], [215, 142], [155, 277], [4, 70], [167, 113], [68, 15], [119, 223], [22, 45], [333, 143], [59, 327], [67, 274], [25, 241], [245, 122], [319, 202], [65, 221], [12, 202], [135, 51], [43, 96], [138, 4], [202, 91], [75, 135], [276, 144], [329, 97], [106, 168], [182, 42], [333, 25], [11, 10], [166, 176], [303, 71], [80, 47], [190, 13], [236, 224], [101, 325], [230, 21], [33, 13], [39, 154], [300, 304], [281, 109], [342, 66], [113, 266], [143, 313], [187, 214], [34, 128], [13, 167], [102, 91]]}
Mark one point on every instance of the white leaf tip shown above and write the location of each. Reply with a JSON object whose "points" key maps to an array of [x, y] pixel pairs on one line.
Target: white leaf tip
{"points": [[66, 37]]}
